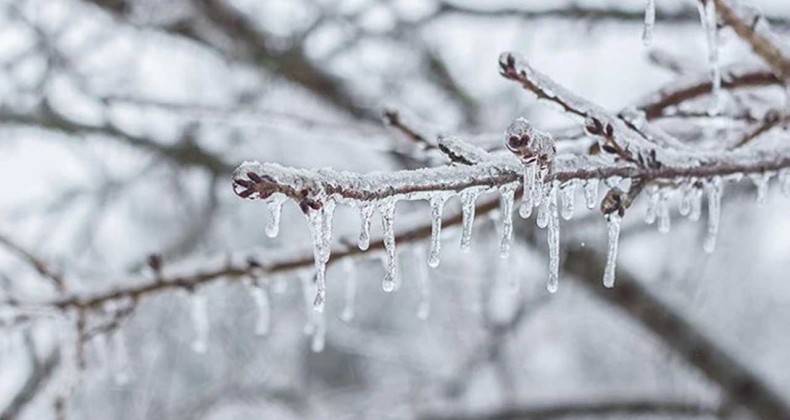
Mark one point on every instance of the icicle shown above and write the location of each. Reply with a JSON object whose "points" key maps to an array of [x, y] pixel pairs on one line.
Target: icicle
{"points": [[652, 204], [437, 204], [760, 181], [275, 205], [506, 213], [662, 211], [650, 21], [387, 209], [261, 298], [542, 219], [714, 189], [707, 13], [200, 322], [539, 185], [318, 341], [468, 199], [568, 194], [696, 204], [308, 293], [122, 371], [424, 308], [351, 290], [684, 208], [591, 192], [613, 224], [613, 181], [525, 209], [554, 241], [320, 222], [784, 181], [365, 214]]}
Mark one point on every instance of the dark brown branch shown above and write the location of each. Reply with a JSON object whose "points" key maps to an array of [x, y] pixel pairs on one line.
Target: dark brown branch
{"points": [[36, 262], [770, 120], [740, 384], [41, 372], [604, 409]]}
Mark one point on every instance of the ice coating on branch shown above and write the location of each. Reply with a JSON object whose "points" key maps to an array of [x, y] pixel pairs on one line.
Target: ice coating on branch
{"points": [[260, 295], [200, 322], [275, 205], [707, 15], [713, 188], [365, 214], [424, 307], [760, 181], [437, 205], [662, 211], [506, 213], [553, 236], [650, 21], [613, 227], [568, 195], [468, 199], [525, 209], [591, 192], [387, 210], [320, 223], [351, 290], [121, 368], [460, 151]]}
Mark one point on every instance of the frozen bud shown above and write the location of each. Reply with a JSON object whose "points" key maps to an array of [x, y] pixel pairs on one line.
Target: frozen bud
{"points": [[529, 143], [613, 202], [593, 126]]}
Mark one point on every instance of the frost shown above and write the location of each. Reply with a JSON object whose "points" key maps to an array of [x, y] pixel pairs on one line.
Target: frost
{"points": [[351, 290], [650, 21], [662, 211], [568, 194], [760, 181], [553, 236], [525, 209], [591, 192], [200, 322], [613, 227], [714, 189], [468, 199], [260, 296], [275, 205], [387, 209], [365, 214], [506, 213], [707, 15]]}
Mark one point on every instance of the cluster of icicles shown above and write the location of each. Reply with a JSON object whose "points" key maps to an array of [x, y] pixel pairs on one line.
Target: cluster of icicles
{"points": [[553, 200]]}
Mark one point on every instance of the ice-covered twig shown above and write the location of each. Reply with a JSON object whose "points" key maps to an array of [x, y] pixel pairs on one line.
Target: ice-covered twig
{"points": [[36, 262], [459, 151], [393, 119], [771, 119]]}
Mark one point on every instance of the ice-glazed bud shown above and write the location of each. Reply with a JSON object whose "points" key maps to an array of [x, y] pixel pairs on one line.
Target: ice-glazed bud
{"points": [[529, 143]]}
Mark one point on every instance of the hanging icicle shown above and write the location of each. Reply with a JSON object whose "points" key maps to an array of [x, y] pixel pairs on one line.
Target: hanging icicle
{"points": [[553, 236], [387, 210], [437, 205], [652, 204], [320, 222], [591, 193], [613, 221], [468, 200], [760, 181], [662, 211], [318, 341], [506, 213], [714, 189], [365, 214], [708, 18], [275, 205], [568, 195], [525, 209]]}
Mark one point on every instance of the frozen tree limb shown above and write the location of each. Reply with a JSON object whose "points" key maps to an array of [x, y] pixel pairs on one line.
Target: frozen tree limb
{"points": [[36, 262]]}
